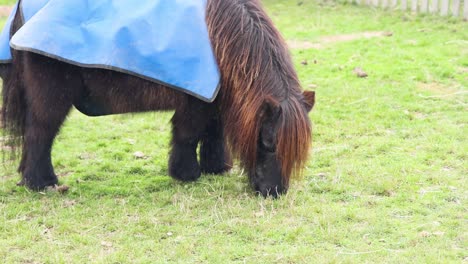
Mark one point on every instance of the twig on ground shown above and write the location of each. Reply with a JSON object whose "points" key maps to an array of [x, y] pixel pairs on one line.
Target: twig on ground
{"points": [[358, 101]]}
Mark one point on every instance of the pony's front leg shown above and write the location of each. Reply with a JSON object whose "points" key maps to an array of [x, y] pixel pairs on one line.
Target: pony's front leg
{"points": [[215, 158], [49, 91], [36, 164], [188, 124], [42, 125]]}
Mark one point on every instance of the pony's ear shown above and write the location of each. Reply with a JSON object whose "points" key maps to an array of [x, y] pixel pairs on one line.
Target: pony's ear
{"points": [[309, 100]]}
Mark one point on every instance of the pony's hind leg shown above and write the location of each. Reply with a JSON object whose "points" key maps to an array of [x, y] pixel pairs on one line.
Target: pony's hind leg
{"points": [[188, 125], [50, 87], [215, 158]]}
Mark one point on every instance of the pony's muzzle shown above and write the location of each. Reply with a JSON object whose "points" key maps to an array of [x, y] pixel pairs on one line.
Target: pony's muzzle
{"points": [[267, 179]]}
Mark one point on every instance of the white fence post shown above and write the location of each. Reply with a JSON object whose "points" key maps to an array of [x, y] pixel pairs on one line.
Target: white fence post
{"points": [[404, 5], [465, 9], [423, 8], [455, 7], [434, 6], [444, 7], [414, 5], [384, 3]]}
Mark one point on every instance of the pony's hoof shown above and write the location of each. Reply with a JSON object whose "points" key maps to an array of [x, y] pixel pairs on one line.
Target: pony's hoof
{"points": [[39, 185], [184, 169], [184, 174], [183, 164]]}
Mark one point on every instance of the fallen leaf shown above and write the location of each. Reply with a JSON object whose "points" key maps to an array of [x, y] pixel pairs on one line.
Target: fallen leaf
{"points": [[45, 231], [360, 72], [304, 62], [424, 234], [322, 175], [139, 155], [62, 188]]}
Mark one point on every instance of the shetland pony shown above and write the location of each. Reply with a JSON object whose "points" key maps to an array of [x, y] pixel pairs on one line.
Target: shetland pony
{"points": [[260, 114]]}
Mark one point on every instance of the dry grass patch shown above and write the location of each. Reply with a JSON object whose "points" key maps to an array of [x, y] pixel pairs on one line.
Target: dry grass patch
{"points": [[440, 90], [326, 40]]}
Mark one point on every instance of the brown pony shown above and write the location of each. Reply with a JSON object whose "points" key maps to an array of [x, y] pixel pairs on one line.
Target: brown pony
{"points": [[260, 114]]}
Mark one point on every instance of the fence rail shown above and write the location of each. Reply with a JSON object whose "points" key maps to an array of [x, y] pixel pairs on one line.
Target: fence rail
{"points": [[458, 8]]}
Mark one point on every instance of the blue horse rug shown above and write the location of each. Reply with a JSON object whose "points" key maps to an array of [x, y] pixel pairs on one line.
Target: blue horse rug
{"points": [[165, 41]]}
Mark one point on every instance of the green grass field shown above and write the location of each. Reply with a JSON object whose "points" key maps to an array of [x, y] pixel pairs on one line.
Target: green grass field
{"points": [[386, 181]]}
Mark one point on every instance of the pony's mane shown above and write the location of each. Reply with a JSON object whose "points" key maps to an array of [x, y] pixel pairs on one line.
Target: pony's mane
{"points": [[257, 70]]}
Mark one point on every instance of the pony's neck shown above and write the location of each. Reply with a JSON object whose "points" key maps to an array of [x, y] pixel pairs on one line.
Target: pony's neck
{"points": [[250, 51]]}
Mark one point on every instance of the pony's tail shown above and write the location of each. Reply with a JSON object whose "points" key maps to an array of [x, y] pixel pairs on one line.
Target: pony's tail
{"points": [[13, 111], [14, 106], [294, 138]]}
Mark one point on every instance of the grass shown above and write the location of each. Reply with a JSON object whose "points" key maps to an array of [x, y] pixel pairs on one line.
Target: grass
{"points": [[7, 2], [386, 182]]}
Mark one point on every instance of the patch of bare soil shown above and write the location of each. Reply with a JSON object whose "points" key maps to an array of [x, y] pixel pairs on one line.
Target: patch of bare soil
{"points": [[440, 90], [463, 70], [5, 10], [297, 44], [301, 44]]}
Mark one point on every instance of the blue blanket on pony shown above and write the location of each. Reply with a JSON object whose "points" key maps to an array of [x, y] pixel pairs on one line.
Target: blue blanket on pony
{"points": [[164, 41]]}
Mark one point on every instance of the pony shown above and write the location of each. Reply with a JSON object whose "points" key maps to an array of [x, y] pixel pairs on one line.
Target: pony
{"points": [[259, 117]]}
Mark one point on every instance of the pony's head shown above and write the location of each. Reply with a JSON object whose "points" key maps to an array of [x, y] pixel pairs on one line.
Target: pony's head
{"points": [[264, 111], [283, 143]]}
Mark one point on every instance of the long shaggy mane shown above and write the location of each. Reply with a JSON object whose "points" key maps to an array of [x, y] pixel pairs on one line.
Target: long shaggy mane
{"points": [[256, 70]]}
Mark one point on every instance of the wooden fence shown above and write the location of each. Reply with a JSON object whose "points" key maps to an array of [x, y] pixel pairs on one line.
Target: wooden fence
{"points": [[458, 8]]}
